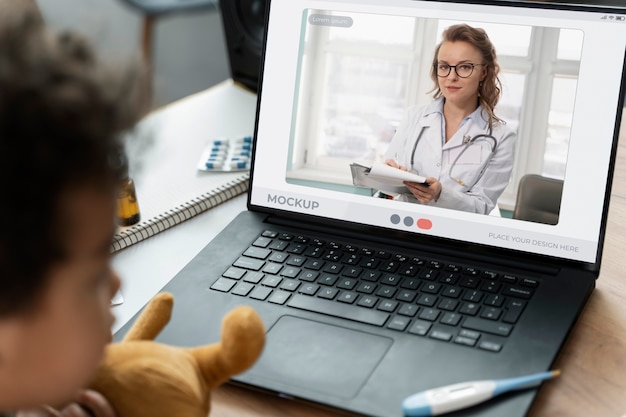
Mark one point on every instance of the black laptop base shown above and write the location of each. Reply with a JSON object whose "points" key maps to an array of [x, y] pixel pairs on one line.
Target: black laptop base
{"points": [[362, 367]]}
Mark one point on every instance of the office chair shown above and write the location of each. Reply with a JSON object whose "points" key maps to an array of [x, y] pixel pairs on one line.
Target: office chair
{"points": [[538, 199], [152, 9]]}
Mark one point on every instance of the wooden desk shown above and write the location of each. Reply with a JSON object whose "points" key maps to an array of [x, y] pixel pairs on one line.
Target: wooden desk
{"points": [[593, 360]]}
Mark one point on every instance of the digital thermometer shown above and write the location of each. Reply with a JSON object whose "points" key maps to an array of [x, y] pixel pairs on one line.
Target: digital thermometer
{"points": [[466, 394]]}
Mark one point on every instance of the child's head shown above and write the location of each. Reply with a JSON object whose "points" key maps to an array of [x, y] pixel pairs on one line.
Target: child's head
{"points": [[61, 116]]}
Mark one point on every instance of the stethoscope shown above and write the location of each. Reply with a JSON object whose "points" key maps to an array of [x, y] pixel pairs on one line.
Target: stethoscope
{"points": [[468, 141]]}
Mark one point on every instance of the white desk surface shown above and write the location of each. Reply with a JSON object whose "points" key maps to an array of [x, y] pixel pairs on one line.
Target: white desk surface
{"points": [[168, 139]]}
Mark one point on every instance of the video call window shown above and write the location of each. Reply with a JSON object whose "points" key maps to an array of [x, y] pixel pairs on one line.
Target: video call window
{"points": [[356, 83]]}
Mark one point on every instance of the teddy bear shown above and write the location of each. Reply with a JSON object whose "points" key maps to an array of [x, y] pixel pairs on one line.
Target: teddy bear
{"points": [[141, 377]]}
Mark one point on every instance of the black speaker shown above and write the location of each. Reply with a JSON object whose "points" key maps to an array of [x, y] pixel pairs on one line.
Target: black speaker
{"points": [[244, 28]]}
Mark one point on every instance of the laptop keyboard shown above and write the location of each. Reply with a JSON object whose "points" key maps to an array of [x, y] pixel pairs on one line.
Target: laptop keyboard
{"points": [[425, 297]]}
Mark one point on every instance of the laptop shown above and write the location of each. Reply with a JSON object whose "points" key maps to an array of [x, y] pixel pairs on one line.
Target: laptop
{"points": [[368, 300]]}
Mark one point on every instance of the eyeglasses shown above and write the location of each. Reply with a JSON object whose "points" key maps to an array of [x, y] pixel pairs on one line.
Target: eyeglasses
{"points": [[462, 70]]}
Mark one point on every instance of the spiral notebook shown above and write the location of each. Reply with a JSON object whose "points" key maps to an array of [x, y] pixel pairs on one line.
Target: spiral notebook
{"points": [[161, 221], [163, 153]]}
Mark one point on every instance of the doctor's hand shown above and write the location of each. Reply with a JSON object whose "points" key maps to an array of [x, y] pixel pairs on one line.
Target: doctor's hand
{"points": [[394, 164], [425, 193]]}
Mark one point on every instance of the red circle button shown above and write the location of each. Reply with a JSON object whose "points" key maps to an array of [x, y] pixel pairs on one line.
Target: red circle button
{"points": [[424, 224]]}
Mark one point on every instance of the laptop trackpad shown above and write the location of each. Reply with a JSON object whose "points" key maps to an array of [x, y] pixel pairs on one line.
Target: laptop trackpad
{"points": [[320, 357]]}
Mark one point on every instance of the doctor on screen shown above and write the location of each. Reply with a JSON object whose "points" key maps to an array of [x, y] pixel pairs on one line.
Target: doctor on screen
{"points": [[457, 142]]}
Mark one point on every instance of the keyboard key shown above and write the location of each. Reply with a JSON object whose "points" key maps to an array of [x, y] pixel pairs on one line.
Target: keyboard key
{"points": [[429, 314], [289, 285], [328, 293], [269, 233], [427, 300], [441, 335], [278, 257], [420, 327], [371, 276], [487, 326], [409, 310], [389, 266], [490, 286], [327, 279], [223, 284], [387, 305], [514, 309], [469, 282], [448, 304], [490, 346], [308, 276], [471, 334], [347, 283], [234, 273], [409, 270], [465, 341], [309, 289], [367, 301], [290, 272], [258, 253], [431, 287], [279, 245], [471, 309], [366, 287], [253, 277], [348, 297], [386, 291], [518, 292], [450, 278], [406, 296], [399, 323], [527, 282], [249, 263], [296, 260], [314, 264], [410, 283], [296, 248], [451, 319], [490, 275], [451, 292], [272, 268], [429, 274], [351, 272], [262, 242], [333, 268], [473, 296], [279, 297], [509, 279], [261, 293], [335, 309], [494, 300], [491, 313], [389, 279], [271, 281]]}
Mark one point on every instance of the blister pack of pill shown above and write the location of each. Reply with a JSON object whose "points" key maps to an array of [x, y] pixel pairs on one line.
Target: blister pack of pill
{"points": [[227, 154]]}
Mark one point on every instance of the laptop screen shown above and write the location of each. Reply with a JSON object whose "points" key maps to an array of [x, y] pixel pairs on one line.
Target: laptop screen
{"points": [[352, 89]]}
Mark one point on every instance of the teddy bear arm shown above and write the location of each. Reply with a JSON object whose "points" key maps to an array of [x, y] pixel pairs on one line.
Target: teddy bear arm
{"points": [[152, 319]]}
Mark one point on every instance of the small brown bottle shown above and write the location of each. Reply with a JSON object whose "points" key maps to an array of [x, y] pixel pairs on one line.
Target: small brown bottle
{"points": [[127, 205]]}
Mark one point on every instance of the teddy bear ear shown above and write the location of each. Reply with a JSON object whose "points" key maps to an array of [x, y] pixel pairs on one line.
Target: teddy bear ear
{"points": [[152, 319], [243, 339]]}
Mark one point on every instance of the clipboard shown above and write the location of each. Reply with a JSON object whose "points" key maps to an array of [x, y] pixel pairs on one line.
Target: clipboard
{"points": [[383, 177]]}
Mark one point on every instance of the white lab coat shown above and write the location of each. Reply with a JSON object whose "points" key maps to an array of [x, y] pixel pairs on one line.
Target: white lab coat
{"points": [[434, 157]]}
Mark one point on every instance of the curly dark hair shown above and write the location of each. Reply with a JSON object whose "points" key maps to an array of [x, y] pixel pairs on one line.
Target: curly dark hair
{"points": [[62, 116]]}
